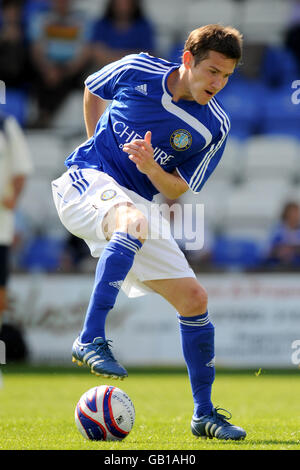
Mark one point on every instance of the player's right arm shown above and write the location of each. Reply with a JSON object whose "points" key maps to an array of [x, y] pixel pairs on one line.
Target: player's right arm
{"points": [[93, 108], [101, 87]]}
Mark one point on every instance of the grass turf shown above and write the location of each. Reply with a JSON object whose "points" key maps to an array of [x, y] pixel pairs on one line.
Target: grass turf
{"points": [[37, 409]]}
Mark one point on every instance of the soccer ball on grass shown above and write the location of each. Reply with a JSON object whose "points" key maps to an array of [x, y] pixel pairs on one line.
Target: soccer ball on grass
{"points": [[104, 413]]}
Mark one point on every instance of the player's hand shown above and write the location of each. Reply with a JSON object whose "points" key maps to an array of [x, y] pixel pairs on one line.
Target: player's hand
{"points": [[141, 153]]}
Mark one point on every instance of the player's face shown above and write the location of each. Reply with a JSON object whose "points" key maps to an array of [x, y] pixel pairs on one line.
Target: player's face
{"points": [[208, 77]]}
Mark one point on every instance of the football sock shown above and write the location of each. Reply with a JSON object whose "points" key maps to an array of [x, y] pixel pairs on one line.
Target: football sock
{"points": [[113, 266], [197, 340]]}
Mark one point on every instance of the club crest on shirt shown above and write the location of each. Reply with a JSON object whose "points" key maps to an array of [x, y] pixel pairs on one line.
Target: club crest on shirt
{"points": [[181, 139], [108, 194]]}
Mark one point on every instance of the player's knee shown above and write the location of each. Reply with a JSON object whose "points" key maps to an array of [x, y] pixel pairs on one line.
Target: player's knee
{"points": [[138, 226], [135, 224], [128, 219], [196, 301]]}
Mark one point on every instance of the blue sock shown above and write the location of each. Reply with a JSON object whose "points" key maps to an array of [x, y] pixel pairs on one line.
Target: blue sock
{"points": [[113, 266], [197, 339]]}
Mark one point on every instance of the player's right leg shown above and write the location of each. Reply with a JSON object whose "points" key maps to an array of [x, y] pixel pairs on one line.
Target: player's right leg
{"points": [[92, 206], [126, 228]]}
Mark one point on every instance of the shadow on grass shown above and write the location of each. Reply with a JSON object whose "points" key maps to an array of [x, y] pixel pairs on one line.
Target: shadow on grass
{"points": [[28, 368]]}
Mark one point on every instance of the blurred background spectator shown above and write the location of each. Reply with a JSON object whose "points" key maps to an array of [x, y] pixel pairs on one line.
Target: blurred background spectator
{"points": [[60, 55], [15, 64], [76, 255], [16, 69], [15, 167], [123, 29], [284, 244]]}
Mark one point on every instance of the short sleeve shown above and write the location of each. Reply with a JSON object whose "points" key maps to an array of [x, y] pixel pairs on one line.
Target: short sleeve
{"points": [[198, 168], [103, 83]]}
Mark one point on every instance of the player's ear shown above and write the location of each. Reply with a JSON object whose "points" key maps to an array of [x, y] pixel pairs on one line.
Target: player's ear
{"points": [[187, 59]]}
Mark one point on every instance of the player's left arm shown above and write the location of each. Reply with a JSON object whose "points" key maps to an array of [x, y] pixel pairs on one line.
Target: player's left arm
{"points": [[141, 153]]}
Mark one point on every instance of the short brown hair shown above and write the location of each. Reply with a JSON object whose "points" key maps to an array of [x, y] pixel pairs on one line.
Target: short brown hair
{"points": [[214, 37]]}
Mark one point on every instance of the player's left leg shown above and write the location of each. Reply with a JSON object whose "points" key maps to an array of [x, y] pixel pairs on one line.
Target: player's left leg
{"points": [[189, 299], [197, 338]]}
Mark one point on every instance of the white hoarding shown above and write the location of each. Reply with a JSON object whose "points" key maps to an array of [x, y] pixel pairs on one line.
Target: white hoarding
{"points": [[257, 320]]}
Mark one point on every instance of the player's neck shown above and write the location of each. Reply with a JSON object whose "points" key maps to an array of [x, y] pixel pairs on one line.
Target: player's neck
{"points": [[177, 85]]}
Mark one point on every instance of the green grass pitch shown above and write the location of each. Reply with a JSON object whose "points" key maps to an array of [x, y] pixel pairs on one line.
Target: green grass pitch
{"points": [[37, 409]]}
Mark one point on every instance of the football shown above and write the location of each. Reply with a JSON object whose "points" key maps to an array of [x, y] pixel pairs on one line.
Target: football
{"points": [[104, 413]]}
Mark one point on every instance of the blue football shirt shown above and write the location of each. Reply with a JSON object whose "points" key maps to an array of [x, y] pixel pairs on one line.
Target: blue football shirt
{"points": [[185, 135]]}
